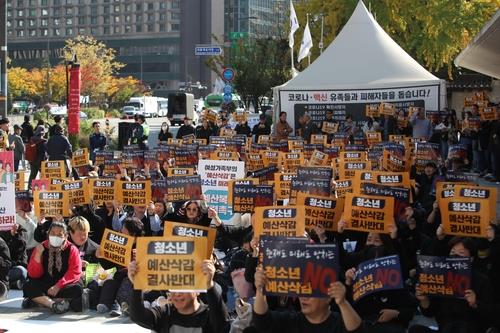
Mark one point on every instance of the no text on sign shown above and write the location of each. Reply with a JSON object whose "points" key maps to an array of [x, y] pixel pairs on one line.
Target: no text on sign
{"points": [[228, 74], [228, 98], [211, 50], [228, 89]]}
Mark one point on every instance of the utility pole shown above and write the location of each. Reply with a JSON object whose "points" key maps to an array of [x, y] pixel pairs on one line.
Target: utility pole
{"points": [[3, 59]]}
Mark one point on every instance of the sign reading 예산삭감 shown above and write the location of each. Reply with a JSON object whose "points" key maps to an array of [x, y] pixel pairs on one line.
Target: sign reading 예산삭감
{"points": [[116, 247]]}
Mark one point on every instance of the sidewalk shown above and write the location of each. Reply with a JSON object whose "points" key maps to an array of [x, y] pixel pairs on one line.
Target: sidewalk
{"points": [[40, 320]]}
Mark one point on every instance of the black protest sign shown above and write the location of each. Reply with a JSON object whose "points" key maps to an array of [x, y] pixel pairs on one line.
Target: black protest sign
{"points": [[247, 197], [183, 188]]}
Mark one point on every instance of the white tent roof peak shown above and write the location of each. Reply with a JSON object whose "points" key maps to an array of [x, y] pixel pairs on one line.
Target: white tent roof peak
{"points": [[362, 56]]}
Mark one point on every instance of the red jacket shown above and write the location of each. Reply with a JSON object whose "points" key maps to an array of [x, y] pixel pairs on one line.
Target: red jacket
{"points": [[72, 275]]}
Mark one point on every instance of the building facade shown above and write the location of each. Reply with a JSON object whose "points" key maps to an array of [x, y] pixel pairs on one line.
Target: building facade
{"points": [[146, 34]]}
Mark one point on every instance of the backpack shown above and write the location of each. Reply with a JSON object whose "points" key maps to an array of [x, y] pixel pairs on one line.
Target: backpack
{"points": [[31, 151]]}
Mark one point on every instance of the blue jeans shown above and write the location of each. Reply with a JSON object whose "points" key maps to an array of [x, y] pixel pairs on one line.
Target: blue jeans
{"points": [[18, 273]]}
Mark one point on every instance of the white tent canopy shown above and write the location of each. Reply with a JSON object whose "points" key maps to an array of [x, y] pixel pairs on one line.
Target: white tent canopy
{"points": [[483, 52], [363, 55], [363, 59]]}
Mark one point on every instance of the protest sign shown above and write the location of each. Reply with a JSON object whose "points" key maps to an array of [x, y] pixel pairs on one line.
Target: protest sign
{"points": [[309, 148], [201, 142], [311, 186], [488, 194], [290, 161], [270, 157], [188, 139], [372, 110], [171, 263], [150, 159], [243, 181], [186, 156], [53, 169], [462, 177], [80, 158], [215, 176], [343, 186], [265, 175], [163, 153], [112, 167], [239, 117], [376, 275], [183, 188], [319, 139], [175, 141], [397, 138], [488, 114], [283, 182], [394, 163], [442, 276], [174, 172], [353, 156], [465, 216], [373, 137], [279, 221], [23, 201], [296, 144], [264, 139], [318, 158], [347, 169], [457, 151], [116, 247], [428, 151], [254, 161], [77, 192], [299, 269], [51, 203], [210, 115], [103, 155], [191, 230], [330, 127], [55, 182], [102, 190], [7, 190], [387, 109], [369, 213], [40, 184], [224, 155], [401, 195], [20, 181], [136, 193], [159, 190], [247, 197], [319, 210]]}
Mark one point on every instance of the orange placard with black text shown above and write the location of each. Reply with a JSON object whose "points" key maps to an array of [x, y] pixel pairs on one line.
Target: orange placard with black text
{"points": [[369, 213]]}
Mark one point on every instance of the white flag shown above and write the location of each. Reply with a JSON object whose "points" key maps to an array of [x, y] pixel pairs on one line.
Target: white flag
{"points": [[307, 43], [294, 25]]}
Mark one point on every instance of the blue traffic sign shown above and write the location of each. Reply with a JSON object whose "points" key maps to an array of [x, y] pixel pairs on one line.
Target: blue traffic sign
{"points": [[228, 74], [212, 50], [228, 89], [228, 98]]}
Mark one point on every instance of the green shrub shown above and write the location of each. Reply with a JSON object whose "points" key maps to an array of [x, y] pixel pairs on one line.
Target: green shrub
{"points": [[41, 115], [93, 113], [113, 113]]}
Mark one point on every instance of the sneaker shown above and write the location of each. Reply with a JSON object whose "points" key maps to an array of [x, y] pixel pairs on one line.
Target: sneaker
{"points": [[102, 308], [116, 311], [124, 307], [27, 303], [60, 307]]}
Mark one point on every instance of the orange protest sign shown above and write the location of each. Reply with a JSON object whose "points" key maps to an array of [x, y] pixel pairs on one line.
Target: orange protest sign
{"points": [[227, 132], [373, 138], [347, 169], [264, 139], [290, 161], [397, 138], [279, 221], [191, 230], [77, 192], [479, 192], [171, 263], [53, 169], [353, 156], [343, 186], [369, 213], [102, 190], [20, 181], [270, 157], [318, 158], [80, 158], [392, 162], [116, 247], [319, 139], [387, 109], [488, 114], [372, 111], [224, 155], [253, 161], [464, 216], [319, 210], [133, 193], [51, 203], [174, 172], [283, 182], [329, 127], [295, 144]]}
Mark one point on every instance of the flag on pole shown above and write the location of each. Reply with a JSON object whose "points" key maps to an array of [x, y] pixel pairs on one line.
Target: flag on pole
{"points": [[294, 25], [307, 43]]}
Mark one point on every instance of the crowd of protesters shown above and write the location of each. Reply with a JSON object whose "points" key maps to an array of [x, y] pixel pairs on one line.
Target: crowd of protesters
{"points": [[46, 257]]}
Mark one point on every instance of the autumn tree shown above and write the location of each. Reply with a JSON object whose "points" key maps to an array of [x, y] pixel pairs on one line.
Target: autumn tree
{"points": [[120, 89], [97, 65], [433, 32], [20, 82], [57, 83]]}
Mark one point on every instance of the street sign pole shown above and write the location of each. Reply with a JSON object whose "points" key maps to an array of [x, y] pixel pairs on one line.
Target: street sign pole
{"points": [[3, 59]]}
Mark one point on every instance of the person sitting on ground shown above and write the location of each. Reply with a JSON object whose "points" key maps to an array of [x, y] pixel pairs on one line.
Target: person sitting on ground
{"points": [[185, 313], [54, 270]]}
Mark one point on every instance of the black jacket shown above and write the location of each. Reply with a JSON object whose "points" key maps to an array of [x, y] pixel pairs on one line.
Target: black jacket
{"points": [[204, 133], [243, 129], [184, 130], [59, 148], [27, 131], [17, 246], [5, 261], [164, 136], [258, 131]]}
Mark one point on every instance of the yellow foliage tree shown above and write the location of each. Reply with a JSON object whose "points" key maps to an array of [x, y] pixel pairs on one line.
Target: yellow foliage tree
{"points": [[20, 82]]}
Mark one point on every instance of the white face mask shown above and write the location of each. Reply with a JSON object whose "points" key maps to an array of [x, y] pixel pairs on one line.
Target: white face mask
{"points": [[55, 241]]}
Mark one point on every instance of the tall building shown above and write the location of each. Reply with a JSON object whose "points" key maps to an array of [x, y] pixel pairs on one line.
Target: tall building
{"points": [[146, 35]]}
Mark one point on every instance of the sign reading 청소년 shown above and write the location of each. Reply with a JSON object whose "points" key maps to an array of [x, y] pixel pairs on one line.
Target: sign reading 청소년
{"points": [[173, 172], [190, 230], [53, 169], [20, 181], [353, 102], [442, 276], [298, 268], [279, 221], [183, 188], [369, 213], [247, 197], [215, 176], [77, 192], [116, 247], [7, 191], [102, 190], [343, 186], [488, 114], [376, 275], [133, 193], [465, 216], [51, 203], [489, 194], [80, 158], [324, 211], [283, 183], [347, 169], [171, 263]]}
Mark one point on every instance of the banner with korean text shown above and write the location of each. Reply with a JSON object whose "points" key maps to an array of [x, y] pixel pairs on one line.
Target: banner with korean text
{"points": [[7, 191], [190, 230], [279, 221], [116, 247], [369, 213]]}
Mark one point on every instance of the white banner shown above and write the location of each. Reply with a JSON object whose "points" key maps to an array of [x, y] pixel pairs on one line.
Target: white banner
{"points": [[353, 102], [215, 175], [7, 191]]}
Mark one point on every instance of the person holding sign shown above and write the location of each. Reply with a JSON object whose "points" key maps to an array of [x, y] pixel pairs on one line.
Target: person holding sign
{"points": [[467, 315], [315, 315], [54, 271], [283, 129], [185, 312], [192, 212]]}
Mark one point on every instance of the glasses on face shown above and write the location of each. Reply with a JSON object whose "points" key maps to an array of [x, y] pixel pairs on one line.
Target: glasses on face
{"points": [[192, 209]]}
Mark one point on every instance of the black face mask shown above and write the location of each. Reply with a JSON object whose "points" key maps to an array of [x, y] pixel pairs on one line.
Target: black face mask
{"points": [[374, 251]]}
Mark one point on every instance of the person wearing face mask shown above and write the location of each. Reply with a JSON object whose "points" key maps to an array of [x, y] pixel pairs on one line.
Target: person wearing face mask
{"points": [[453, 315], [164, 134], [54, 270]]}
